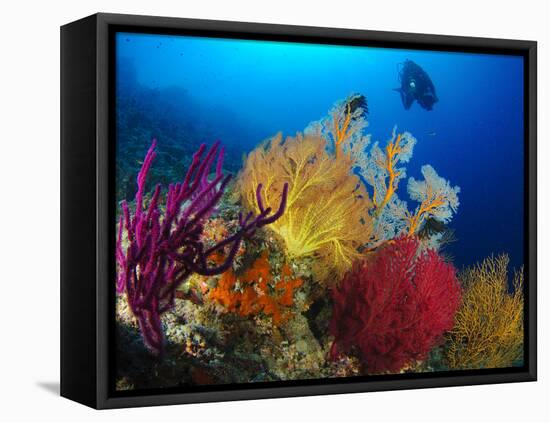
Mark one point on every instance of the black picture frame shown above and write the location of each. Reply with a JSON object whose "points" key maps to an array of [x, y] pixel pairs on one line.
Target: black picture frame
{"points": [[87, 208]]}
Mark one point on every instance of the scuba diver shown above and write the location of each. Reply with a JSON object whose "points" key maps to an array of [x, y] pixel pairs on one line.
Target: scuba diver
{"points": [[416, 85]]}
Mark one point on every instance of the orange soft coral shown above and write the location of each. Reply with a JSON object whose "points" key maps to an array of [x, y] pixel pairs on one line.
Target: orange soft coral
{"points": [[255, 291]]}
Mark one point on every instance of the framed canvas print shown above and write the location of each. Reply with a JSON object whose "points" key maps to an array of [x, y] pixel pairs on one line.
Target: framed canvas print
{"points": [[255, 211]]}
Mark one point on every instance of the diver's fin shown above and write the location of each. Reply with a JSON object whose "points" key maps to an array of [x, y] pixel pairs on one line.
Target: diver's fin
{"points": [[407, 100]]}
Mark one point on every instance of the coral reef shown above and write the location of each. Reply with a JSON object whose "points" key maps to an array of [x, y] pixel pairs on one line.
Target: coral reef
{"points": [[319, 229], [393, 309], [345, 280], [382, 169], [326, 215], [489, 325], [256, 292], [156, 251]]}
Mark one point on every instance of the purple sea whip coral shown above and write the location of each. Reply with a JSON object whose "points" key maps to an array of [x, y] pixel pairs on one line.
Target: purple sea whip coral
{"points": [[204, 182], [164, 247]]}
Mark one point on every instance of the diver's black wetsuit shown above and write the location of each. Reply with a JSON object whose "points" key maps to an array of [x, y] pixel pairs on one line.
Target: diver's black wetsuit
{"points": [[416, 85]]}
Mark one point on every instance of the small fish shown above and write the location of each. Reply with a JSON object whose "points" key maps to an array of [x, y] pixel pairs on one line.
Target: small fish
{"points": [[432, 133]]}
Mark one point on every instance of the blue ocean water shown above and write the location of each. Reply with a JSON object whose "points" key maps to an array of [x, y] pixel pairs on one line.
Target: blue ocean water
{"points": [[243, 92]]}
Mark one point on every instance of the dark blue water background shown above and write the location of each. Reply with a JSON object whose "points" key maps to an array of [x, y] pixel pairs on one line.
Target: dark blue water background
{"points": [[246, 91]]}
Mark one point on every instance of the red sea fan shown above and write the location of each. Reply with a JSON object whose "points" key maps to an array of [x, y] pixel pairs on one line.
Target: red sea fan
{"points": [[393, 309]]}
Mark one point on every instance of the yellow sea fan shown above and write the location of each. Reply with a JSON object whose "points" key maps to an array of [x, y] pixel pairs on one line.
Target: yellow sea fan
{"points": [[488, 332], [326, 215]]}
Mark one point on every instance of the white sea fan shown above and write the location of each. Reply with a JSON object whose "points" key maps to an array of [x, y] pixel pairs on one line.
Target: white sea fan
{"points": [[357, 147], [355, 140], [356, 126], [391, 221], [407, 145], [373, 165], [432, 187], [372, 171]]}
